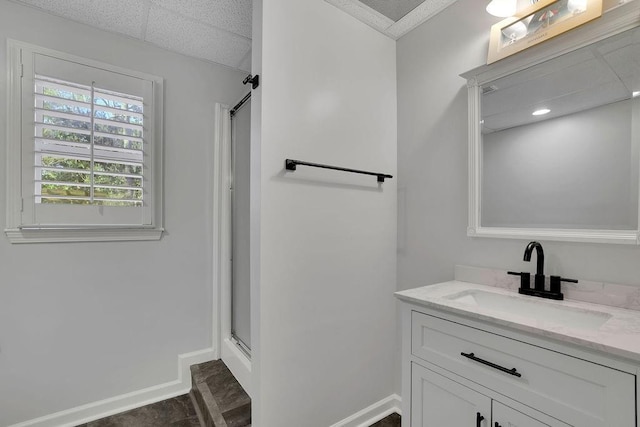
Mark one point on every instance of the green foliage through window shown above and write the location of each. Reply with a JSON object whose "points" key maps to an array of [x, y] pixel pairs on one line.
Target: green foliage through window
{"points": [[68, 122]]}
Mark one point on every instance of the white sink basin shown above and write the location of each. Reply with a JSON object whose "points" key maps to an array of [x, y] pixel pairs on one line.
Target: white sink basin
{"points": [[533, 308]]}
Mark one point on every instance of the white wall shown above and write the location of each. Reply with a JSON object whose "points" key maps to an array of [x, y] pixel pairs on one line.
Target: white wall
{"points": [[326, 316], [255, 184], [84, 322], [432, 162]]}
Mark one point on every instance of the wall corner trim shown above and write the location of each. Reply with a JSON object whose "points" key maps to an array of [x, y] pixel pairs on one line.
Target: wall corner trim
{"points": [[373, 413], [124, 402]]}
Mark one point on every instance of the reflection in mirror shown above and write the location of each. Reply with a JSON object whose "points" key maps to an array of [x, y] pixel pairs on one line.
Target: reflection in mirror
{"points": [[539, 21], [574, 166]]}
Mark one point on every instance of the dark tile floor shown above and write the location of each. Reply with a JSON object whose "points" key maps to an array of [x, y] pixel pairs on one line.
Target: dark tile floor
{"points": [[221, 399], [176, 412], [218, 392], [392, 420]]}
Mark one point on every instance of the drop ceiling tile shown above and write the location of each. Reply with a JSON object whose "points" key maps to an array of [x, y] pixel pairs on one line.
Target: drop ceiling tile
{"points": [[419, 13], [245, 64], [417, 16], [122, 16], [230, 15], [364, 13], [393, 9], [76, 10], [187, 36]]}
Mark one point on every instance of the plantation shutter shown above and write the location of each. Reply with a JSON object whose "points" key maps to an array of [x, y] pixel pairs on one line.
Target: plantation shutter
{"points": [[88, 160]]}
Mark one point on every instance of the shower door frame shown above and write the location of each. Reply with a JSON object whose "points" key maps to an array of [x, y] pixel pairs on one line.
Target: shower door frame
{"points": [[227, 347]]}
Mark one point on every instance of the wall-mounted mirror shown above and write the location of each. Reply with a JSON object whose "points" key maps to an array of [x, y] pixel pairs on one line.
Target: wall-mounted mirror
{"points": [[555, 144]]}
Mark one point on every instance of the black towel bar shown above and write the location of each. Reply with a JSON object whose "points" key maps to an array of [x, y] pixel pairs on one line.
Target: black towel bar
{"points": [[291, 164]]}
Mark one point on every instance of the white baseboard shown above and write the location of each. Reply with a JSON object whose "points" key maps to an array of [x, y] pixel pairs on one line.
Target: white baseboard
{"points": [[114, 405], [238, 363], [373, 413]]}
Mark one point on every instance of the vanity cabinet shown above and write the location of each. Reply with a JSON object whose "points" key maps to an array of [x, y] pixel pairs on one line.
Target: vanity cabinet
{"points": [[455, 368], [504, 416], [437, 401]]}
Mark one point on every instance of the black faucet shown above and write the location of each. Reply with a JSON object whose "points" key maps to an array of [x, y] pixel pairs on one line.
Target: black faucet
{"points": [[539, 278], [539, 290]]}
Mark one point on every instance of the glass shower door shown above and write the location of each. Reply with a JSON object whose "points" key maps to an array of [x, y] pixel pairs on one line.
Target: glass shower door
{"points": [[240, 285]]}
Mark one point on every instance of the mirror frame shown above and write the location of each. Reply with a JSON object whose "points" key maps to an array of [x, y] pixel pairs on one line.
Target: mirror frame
{"points": [[615, 20]]}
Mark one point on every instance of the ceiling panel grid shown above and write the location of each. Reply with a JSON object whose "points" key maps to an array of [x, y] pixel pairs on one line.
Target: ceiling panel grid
{"points": [[214, 30]]}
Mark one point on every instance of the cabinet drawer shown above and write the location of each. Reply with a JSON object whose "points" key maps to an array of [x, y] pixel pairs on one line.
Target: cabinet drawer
{"points": [[575, 391]]}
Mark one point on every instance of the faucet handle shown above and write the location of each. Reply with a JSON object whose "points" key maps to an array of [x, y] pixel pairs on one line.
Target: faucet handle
{"points": [[554, 283], [525, 279]]}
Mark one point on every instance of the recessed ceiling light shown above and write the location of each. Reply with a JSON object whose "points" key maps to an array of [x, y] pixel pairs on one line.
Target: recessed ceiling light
{"points": [[541, 112]]}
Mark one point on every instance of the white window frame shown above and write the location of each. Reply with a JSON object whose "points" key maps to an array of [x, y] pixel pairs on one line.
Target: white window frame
{"points": [[20, 231]]}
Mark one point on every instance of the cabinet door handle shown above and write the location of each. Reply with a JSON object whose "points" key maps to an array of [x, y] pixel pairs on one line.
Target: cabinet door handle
{"points": [[497, 424], [511, 371], [479, 419]]}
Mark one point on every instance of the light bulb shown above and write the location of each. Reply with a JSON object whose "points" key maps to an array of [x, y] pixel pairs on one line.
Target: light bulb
{"points": [[502, 8], [541, 112]]}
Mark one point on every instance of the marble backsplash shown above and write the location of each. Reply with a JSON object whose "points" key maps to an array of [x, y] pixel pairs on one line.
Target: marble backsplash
{"points": [[622, 296]]}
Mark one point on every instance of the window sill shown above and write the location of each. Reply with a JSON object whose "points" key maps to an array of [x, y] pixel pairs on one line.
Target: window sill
{"points": [[82, 235]]}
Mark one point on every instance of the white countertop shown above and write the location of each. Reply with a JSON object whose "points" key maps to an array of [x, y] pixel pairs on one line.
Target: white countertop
{"points": [[620, 335]]}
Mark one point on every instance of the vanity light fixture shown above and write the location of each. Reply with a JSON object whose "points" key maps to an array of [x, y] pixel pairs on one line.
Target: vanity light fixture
{"points": [[541, 112], [502, 8]]}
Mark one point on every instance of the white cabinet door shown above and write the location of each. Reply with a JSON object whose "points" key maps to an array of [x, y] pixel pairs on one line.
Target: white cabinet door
{"points": [[504, 416], [437, 401]]}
